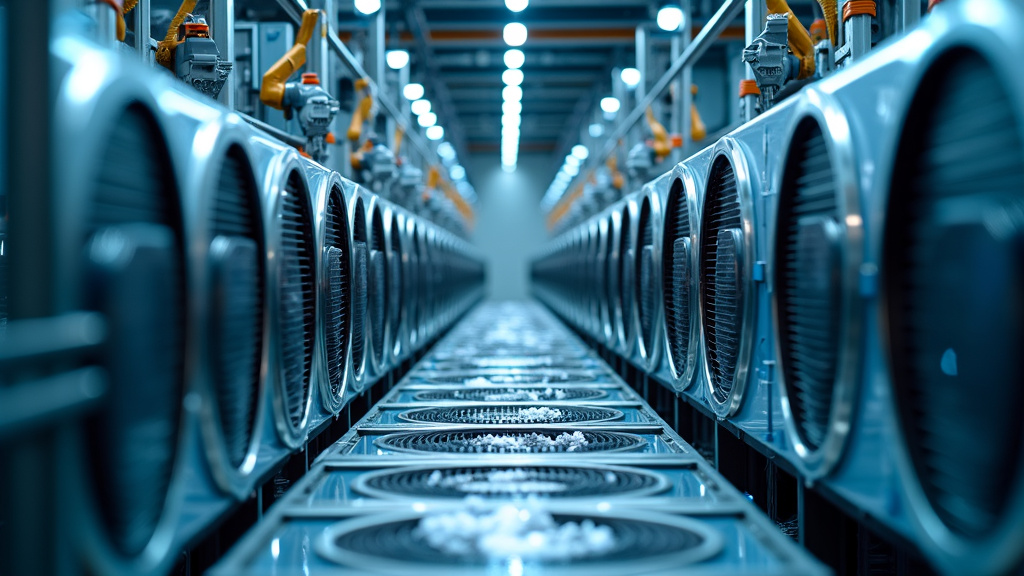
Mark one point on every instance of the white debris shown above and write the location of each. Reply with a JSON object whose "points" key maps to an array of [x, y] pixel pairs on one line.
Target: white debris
{"points": [[529, 415], [479, 381], [497, 481], [526, 395], [529, 533], [524, 443], [610, 477]]}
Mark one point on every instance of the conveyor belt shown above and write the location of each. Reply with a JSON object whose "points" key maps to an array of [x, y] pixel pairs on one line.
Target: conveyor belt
{"points": [[522, 473]]}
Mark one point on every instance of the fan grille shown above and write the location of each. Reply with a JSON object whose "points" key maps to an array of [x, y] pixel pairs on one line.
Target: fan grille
{"points": [[531, 377], [511, 414], [808, 291], [133, 437], [238, 338], [336, 251], [397, 286], [469, 441], [721, 278], [676, 275], [517, 394], [636, 542], [298, 299], [359, 288], [645, 276], [511, 482], [377, 289], [953, 270], [625, 277]]}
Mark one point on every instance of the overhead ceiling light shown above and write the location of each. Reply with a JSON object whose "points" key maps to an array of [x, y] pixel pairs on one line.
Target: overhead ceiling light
{"points": [[457, 172], [427, 120], [435, 132], [517, 5], [367, 6], [413, 91], [596, 130], [670, 17], [512, 77], [610, 105], [630, 77], [514, 34], [397, 59], [571, 170], [571, 160], [512, 94], [514, 58], [580, 151], [511, 120], [446, 150], [420, 107], [511, 107], [510, 132]]}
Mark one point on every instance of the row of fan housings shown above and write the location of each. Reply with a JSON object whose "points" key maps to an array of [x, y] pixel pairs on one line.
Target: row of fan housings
{"points": [[841, 280], [247, 295]]}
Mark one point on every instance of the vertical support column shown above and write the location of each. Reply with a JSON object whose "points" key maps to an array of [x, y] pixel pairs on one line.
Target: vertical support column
{"points": [[642, 58], [684, 97], [222, 27], [373, 59], [735, 72], [754, 22], [908, 14], [140, 22], [856, 29]]}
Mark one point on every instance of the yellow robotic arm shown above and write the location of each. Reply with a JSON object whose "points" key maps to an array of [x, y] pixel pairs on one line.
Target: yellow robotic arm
{"points": [[363, 111], [274, 80], [662, 146], [799, 39]]}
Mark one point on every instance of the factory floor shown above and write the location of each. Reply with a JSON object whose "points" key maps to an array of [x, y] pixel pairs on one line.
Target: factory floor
{"points": [[513, 448]]}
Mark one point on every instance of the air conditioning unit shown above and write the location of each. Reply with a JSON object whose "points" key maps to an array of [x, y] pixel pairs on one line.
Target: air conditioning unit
{"points": [[292, 286], [377, 290], [647, 274], [605, 296], [360, 363], [395, 229], [122, 252], [950, 254], [334, 240], [680, 232], [626, 323], [727, 294]]}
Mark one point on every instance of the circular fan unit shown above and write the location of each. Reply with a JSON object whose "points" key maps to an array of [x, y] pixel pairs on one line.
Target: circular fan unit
{"points": [[953, 276], [396, 286], [236, 279], [296, 304], [360, 281], [627, 334], [485, 378], [510, 415], [511, 441], [400, 543], [456, 482], [648, 297], [337, 277], [133, 265], [682, 331], [377, 292], [817, 255], [605, 294], [414, 278], [726, 290], [517, 394]]}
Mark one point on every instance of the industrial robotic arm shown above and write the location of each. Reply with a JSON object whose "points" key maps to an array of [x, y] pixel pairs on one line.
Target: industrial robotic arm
{"points": [[307, 100]]}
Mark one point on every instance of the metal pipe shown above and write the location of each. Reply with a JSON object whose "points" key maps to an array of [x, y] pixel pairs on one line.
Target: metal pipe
{"points": [[700, 45]]}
